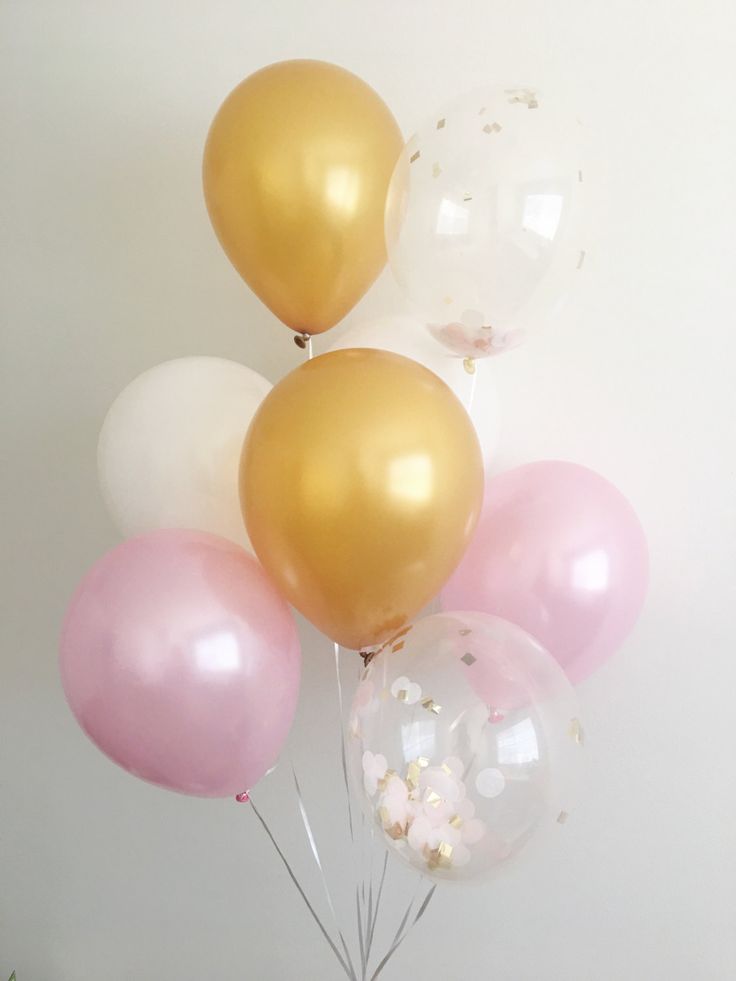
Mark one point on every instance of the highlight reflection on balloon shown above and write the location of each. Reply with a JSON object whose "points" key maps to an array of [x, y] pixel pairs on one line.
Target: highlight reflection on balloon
{"points": [[465, 741]]}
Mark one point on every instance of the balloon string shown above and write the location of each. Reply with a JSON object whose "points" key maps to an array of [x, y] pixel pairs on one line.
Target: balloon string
{"points": [[313, 845], [398, 940], [372, 927], [301, 892], [309, 348]]}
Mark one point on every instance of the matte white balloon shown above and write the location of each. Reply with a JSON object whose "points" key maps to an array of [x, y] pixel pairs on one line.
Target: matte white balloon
{"points": [[484, 215], [169, 449], [407, 336]]}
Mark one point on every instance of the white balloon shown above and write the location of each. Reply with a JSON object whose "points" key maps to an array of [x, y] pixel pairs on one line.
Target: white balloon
{"points": [[484, 225], [169, 449], [404, 335]]}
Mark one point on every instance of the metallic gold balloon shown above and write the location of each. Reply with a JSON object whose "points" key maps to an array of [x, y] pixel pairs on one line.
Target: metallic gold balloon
{"points": [[296, 169], [361, 477]]}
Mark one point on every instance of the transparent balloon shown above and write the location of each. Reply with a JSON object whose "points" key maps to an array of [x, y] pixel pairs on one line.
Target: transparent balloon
{"points": [[484, 218], [465, 740]]}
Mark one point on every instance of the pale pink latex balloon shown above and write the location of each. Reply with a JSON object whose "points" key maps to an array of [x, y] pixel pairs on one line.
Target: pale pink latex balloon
{"points": [[181, 662], [559, 551]]}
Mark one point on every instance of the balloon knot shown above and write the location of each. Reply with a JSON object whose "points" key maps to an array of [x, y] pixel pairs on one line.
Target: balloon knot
{"points": [[242, 798], [301, 340]]}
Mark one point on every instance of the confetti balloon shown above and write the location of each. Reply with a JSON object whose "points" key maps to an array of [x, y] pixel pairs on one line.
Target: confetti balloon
{"points": [[484, 218], [465, 741]]}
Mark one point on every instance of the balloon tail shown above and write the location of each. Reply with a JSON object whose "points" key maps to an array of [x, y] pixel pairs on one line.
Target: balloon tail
{"points": [[350, 974], [471, 395], [401, 937]]}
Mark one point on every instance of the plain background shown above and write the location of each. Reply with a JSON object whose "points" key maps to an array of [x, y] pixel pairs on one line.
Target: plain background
{"points": [[110, 266]]}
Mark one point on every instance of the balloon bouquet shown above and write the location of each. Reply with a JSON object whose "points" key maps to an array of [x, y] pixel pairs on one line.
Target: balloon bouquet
{"points": [[357, 481]]}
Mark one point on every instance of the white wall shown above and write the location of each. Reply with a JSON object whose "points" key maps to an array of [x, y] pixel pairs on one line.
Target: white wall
{"points": [[110, 266]]}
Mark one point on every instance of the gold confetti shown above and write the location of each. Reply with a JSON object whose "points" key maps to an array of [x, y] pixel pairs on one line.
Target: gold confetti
{"points": [[397, 647], [431, 706], [415, 156], [436, 169], [526, 97], [491, 128], [445, 768], [441, 123], [403, 695], [396, 831], [576, 732], [433, 798], [456, 821], [444, 854], [467, 197], [581, 260], [412, 774], [468, 659], [469, 365], [562, 817], [422, 761]]}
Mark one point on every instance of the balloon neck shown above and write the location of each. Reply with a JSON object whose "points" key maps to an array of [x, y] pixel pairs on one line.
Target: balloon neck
{"points": [[304, 341], [243, 798]]}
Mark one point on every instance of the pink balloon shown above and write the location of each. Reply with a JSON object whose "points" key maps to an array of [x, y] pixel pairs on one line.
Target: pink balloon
{"points": [[181, 662], [560, 552]]}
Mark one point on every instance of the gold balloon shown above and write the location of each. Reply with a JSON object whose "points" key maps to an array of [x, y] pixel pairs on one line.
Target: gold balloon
{"points": [[296, 170], [361, 477]]}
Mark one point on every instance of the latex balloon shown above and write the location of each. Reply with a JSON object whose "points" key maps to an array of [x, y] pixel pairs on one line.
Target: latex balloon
{"points": [[409, 337], [169, 449], [181, 662], [296, 169], [361, 478], [465, 741], [559, 551], [484, 218]]}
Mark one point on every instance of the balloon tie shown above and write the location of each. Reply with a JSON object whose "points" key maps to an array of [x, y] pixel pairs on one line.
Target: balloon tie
{"points": [[304, 341], [243, 798]]}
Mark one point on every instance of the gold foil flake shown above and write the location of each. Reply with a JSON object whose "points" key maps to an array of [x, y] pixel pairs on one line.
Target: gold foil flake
{"points": [[415, 156], [467, 197], [581, 259], [456, 821], [444, 855], [445, 768], [433, 798], [397, 647], [436, 169], [403, 695], [465, 632], [576, 732], [469, 365], [441, 123], [422, 761], [492, 128], [562, 817], [412, 775], [468, 658], [431, 706], [527, 97], [396, 831]]}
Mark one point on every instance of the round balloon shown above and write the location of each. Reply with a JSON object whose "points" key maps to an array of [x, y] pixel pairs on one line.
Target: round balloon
{"points": [[181, 662], [465, 741], [484, 218], [408, 337], [559, 551], [361, 480], [169, 449], [296, 168]]}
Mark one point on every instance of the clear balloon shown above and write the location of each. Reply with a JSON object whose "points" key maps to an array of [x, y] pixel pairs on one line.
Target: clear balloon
{"points": [[408, 336], [465, 740], [484, 217], [169, 449], [181, 662], [559, 551]]}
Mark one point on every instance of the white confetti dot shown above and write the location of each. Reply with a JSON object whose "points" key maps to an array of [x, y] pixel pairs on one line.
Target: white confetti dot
{"points": [[490, 782]]}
